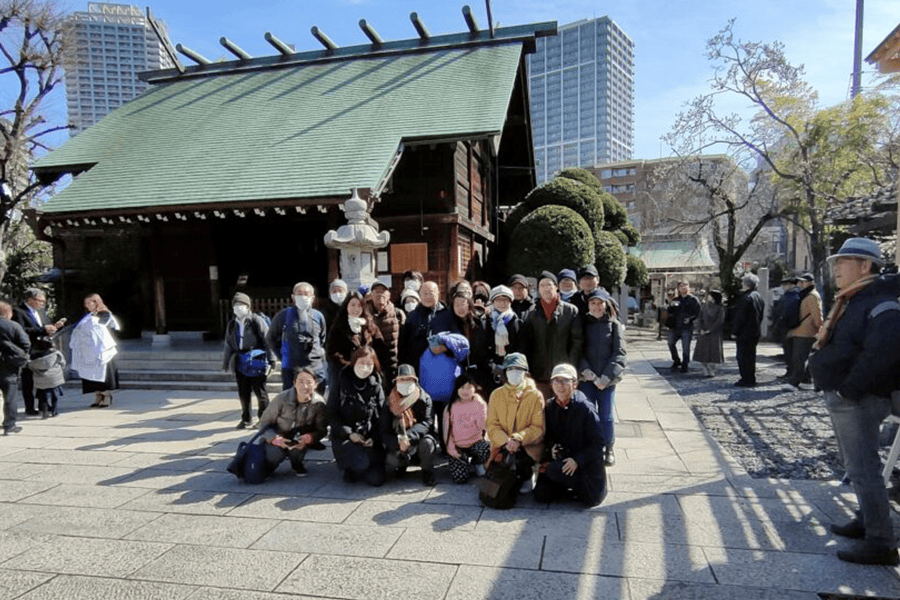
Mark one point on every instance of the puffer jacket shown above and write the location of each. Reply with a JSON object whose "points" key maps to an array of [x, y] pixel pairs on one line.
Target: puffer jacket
{"points": [[356, 408], [49, 370], [290, 418], [518, 415], [549, 343], [862, 355]]}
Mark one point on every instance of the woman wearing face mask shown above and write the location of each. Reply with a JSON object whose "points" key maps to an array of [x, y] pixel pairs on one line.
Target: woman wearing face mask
{"points": [[409, 300], [567, 284], [297, 335], [354, 414], [502, 331], [466, 323], [515, 422], [464, 422], [244, 334], [337, 293], [353, 328], [407, 426], [602, 364]]}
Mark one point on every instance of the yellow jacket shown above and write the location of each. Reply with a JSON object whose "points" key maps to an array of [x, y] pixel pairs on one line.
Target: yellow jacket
{"points": [[520, 417], [811, 315]]}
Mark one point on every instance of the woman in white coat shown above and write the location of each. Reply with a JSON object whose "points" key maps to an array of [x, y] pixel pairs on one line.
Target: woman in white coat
{"points": [[93, 348]]}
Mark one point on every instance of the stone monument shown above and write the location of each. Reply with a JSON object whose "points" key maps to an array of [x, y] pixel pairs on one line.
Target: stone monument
{"points": [[357, 240]]}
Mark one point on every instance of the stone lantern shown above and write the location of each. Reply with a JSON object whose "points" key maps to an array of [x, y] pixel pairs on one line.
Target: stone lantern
{"points": [[357, 240]]}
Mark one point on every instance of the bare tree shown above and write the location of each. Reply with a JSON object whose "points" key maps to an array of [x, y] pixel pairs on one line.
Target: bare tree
{"points": [[32, 44], [814, 158]]}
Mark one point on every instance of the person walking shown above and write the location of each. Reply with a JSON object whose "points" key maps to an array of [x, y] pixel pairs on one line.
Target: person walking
{"points": [[708, 349], [857, 365], [683, 310], [14, 352], [803, 336], [247, 356], [748, 315]]}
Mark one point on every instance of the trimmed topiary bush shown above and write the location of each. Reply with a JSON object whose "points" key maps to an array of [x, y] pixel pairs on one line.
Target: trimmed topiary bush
{"points": [[634, 236], [609, 258], [582, 175], [620, 235], [519, 212], [569, 193], [637, 274], [614, 214], [551, 238]]}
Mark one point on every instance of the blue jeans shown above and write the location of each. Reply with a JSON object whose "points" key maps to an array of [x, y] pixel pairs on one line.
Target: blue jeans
{"points": [[604, 401], [685, 336], [856, 427]]}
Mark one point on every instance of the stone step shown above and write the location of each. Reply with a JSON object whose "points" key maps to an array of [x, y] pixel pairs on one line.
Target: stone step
{"points": [[187, 375], [136, 364], [229, 388]]}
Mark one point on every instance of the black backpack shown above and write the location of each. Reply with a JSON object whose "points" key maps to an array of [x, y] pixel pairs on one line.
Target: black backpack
{"points": [[499, 486], [249, 462], [789, 317]]}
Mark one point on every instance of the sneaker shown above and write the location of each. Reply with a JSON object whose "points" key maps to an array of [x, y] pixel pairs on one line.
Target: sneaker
{"points": [[242, 425], [300, 470], [853, 530], [13, 429], [871, 554], [609, 457], [675, 365]]}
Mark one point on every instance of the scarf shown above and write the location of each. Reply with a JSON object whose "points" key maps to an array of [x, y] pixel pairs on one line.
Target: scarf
{"points": [[356, 323], [401, 408], [501, 334], [840, 305], [550, 307]]}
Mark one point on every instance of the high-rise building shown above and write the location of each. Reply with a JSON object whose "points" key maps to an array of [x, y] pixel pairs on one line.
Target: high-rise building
{"points": [[109, 44], [581, 85]]}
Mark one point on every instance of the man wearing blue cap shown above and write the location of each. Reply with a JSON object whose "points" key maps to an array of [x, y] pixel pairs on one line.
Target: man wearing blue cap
{"points": [[857, 365]]}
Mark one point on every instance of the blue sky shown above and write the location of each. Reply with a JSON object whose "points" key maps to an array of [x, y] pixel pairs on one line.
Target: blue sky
{"points": [[669, 35]]}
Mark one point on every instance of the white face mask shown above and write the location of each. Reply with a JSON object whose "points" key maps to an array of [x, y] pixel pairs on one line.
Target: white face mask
{"points": [[515, 377], [405, 388], [362, 371], [241, 311], [412, 284], [303, 302], [338, 297], [410, 306]]}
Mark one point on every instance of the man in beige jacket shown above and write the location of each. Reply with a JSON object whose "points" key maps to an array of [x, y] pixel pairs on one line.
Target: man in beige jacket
{"points": [[804, 335]]}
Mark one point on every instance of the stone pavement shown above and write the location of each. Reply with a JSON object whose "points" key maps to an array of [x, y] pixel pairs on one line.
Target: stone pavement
{"points": [[133, 501]]}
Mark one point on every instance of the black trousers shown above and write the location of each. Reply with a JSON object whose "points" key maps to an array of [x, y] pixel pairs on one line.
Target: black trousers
{"points": [[588, 483], [746, 359], [8, 384], [246, 387], [27, 378], [800, 348]]}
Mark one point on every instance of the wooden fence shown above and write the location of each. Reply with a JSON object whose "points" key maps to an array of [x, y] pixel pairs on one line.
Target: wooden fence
{"points": [[267, 306]]}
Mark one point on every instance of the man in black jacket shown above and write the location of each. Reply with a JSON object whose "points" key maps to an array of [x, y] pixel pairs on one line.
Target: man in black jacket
{"points": [[14, 352], [683, 310], [856, 364], [30, 314], [748, 316], [428, 318]]}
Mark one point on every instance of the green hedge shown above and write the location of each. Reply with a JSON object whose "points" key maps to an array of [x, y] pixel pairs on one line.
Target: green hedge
{"points": [[614, 214], [551, 238], [634, 236], [569, 193], [582, 175], [637, 274], [609, 258]]}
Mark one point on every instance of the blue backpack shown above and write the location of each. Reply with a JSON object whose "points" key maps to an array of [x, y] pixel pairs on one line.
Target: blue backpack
{"points": [[252, 363]]}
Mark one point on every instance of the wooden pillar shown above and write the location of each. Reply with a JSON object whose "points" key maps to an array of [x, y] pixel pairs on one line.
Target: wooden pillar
{"points": [[159, 289]]}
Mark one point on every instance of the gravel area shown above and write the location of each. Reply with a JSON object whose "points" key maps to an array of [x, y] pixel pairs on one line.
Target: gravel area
{"points": [[772, 430]]}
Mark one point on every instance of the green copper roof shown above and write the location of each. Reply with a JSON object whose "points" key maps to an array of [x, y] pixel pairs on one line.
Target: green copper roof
{"points": [[305, 131], [675, 255]]}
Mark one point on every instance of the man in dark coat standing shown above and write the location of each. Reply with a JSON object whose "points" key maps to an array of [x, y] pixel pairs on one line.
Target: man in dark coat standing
{"points": [[30, 314], [428, 318], [683, 310], [748, 316], [856, 364], [14, 352]]}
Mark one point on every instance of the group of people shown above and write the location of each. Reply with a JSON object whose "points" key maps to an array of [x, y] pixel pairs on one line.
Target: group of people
{"points": [[32, 362], [493, 372]]}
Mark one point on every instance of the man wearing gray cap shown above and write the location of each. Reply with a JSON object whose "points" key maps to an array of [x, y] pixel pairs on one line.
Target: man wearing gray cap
{"points": [[857, 365]]}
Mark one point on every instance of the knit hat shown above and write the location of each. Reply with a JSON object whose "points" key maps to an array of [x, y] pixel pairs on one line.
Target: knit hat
{"points": [[588, 271], [501, 290], [517, 279], [565, 371], [566, 274], [548, 275], [242, 298], [406, 371], [516, 360], [860, 248], [408, 294], [339, 283]]}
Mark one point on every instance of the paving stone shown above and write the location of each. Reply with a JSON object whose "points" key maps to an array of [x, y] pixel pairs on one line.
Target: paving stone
{"points": [[15, 583], [369, 579], [91, 496], [12, 514], [208, 593], [654, 483], [225, 532], [83, 474], [465, 494], [13, 543], [517, 584], [654, 589], [326, 538], [70, 457], [13, 491], [656, 560], [697, 532], [164, 461], [409, 490], [317, 510], [73, 587], [805, 572], [86, 556], [87, 522], [625, 502], [400, 514], [521, 521], [473, 548], [19, 471], [188, 502], [738, 510], [221, 567]]}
